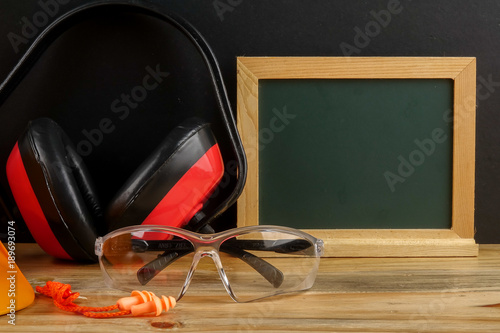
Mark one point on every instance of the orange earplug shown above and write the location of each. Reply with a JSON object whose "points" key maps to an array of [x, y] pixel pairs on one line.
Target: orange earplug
{"points": [[156, 305], [136, 297], [138, 303], [142, 302]]}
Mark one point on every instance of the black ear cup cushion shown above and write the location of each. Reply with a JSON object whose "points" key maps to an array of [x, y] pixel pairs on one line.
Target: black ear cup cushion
{"points": [[63, 187], [154, 178]]}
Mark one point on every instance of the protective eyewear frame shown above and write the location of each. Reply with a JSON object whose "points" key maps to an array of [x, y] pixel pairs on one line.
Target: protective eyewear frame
{"points": [[234, 243]]}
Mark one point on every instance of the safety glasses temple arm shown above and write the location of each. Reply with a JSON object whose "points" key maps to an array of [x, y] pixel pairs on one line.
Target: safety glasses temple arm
{"points": [[272, 274], [289, 246], [147, 272], [178, 249]]}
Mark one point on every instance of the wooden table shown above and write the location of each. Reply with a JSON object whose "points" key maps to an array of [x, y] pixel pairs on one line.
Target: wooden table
{"points": [[350, 295]]}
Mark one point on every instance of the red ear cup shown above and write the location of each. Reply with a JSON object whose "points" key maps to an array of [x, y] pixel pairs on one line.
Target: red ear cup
{"points": [[57, 199], [173, 183], [54, 192]]}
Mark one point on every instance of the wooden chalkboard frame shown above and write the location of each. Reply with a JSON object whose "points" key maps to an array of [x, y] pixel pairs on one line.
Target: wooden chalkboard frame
{"points": [[456, 241]]}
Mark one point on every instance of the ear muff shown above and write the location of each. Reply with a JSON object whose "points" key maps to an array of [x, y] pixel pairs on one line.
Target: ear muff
{"points": [[54, 192], [61, 23], [58, 201], [26, 187], [173, 183]]}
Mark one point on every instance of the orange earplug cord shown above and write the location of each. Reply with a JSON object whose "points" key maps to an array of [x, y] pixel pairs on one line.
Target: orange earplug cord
{"points": [[139, 302]]}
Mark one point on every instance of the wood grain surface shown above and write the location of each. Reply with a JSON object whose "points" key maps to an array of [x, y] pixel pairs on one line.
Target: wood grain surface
{"points": [[350, 295]]}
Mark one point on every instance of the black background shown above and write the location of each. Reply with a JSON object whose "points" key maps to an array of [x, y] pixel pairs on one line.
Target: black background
{"points": [[87, 68]]}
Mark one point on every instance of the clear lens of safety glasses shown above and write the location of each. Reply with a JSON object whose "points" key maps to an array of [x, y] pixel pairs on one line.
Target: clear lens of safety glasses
{"points": [[252, 262]]}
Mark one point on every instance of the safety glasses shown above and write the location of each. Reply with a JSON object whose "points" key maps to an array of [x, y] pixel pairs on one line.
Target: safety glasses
{"points": [[252, 262]]}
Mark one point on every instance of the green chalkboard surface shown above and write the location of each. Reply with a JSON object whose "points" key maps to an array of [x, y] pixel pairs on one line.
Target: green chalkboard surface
{"points": [[356, 153]]}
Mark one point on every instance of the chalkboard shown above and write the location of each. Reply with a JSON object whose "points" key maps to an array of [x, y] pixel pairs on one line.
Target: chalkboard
{"points": [[355, 153], [374, 152]]}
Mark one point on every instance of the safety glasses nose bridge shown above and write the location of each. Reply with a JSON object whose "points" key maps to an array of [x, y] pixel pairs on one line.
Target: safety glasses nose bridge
{"points": [[208, 246], [207, 252]]}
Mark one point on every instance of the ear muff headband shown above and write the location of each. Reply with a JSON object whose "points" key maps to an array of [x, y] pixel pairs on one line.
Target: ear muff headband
{"points": [[68, 19]]}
